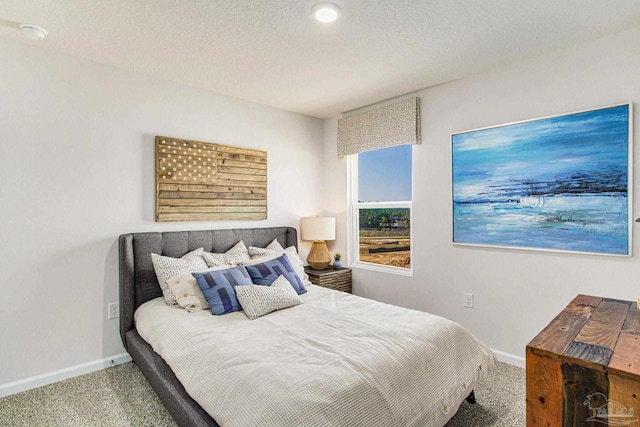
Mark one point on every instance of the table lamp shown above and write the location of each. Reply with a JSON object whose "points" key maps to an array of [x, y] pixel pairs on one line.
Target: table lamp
{"points": [[318, 229]]}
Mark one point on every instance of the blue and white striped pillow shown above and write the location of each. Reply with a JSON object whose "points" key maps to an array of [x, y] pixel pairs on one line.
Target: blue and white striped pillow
{"points": [[217, 287], [267, 272]]}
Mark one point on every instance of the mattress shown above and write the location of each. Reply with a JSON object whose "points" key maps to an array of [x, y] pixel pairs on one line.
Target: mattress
{"points": [[335, 360]]}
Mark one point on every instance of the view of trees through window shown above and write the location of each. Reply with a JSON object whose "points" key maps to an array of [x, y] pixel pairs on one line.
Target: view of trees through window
{"points": [[384, 206], [385, 236]]}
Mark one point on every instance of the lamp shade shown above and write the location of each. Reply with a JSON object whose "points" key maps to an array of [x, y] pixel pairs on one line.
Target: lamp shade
{"points": [[318, 228]]}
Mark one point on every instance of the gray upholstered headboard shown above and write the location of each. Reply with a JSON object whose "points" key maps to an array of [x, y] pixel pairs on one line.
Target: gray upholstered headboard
{"points": [[138, 282]]}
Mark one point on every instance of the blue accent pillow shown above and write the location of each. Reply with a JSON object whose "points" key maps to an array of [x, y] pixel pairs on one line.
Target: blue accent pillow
{"points": [[217, 287], [267, 272]]}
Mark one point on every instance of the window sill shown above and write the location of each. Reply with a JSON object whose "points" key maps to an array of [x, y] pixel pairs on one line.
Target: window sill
{"points": [[398, 271]]}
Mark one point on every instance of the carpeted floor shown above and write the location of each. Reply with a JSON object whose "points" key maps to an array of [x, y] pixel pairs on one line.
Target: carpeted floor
{"points": [[500, 401], [121, 397]]}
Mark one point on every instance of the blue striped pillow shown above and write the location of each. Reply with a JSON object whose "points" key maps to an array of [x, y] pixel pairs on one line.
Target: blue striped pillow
{"points": [[267, 272], [217, 287]]}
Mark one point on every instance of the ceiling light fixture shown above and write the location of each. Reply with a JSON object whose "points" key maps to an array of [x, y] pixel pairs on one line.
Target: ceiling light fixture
{"points": [[326, 12], [33, 31]]}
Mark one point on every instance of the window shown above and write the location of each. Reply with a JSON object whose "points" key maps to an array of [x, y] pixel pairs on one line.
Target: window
{"points": [[381, 194]]}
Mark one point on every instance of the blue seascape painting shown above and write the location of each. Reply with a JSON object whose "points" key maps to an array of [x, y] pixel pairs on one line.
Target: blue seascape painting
{"points": [[560, 183]]}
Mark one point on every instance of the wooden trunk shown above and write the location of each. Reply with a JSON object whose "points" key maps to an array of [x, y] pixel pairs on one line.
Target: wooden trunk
{"points": [[583, 369]]}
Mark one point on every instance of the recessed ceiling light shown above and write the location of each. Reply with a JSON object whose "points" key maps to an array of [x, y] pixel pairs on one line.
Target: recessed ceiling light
{"points": [[326, 12], [33, 31]]}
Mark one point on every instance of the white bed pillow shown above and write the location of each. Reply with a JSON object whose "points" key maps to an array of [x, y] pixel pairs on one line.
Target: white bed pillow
{"points": [[236, 255], [274, 246], [294, 259], [258, 300], [168, 267], [187, 292]]}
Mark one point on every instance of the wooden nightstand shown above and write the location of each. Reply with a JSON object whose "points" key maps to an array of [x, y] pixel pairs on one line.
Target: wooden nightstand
{"points": [[339, 280]]}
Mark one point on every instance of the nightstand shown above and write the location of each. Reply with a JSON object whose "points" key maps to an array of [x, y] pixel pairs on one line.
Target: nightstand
{"points": [[339, 280]]}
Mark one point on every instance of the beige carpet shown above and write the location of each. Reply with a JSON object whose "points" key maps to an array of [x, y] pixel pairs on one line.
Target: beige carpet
{"points": [[121, 397], [500, 401]]}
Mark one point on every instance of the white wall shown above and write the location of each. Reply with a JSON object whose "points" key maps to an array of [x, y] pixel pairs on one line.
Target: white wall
{"points": [[77, 170], [516, 292]]}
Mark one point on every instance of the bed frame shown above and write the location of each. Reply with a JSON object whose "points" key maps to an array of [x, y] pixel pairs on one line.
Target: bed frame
{"points": [[138, 284]]}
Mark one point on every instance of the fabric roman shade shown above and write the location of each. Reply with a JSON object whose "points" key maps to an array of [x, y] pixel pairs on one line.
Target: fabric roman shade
{"points": [[388, 126]]}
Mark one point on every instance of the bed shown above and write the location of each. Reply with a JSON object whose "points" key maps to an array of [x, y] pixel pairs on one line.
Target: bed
{"points": [[139, 288]]}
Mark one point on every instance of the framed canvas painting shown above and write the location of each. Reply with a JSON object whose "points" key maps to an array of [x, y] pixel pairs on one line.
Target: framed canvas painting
{"points": [[561, 183]]}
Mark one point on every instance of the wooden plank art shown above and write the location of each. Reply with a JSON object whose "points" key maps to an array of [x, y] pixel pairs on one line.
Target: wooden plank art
{"points": [[201, 181], [584, 367]]}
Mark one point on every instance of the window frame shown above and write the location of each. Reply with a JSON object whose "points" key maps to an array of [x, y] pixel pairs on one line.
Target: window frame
{"points": [[353, 227]]}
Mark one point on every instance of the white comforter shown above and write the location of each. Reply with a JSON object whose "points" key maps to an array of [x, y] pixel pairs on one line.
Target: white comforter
{"points": [[336, 360]]}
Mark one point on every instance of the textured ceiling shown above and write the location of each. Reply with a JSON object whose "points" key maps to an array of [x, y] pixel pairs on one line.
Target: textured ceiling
{"points": [[272, 51]]}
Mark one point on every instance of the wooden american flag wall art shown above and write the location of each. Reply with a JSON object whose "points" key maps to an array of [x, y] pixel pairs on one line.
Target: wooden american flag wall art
{"points": [[201, 181]]}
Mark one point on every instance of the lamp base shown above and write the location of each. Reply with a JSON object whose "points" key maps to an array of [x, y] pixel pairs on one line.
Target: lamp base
{"points": [[319, 257]]}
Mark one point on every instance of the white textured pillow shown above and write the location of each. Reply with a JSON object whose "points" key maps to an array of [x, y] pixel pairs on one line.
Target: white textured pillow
{"points": [[237, 254], [187, 292], [167, 267], [274, 246], [292, 255], [258, 300]]}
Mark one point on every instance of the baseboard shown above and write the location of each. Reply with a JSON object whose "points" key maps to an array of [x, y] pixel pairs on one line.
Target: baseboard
{"points": [[62, 374], [509, 358]]}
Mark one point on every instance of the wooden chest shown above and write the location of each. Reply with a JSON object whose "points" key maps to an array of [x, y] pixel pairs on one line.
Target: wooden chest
{"points": [[583, 369]]}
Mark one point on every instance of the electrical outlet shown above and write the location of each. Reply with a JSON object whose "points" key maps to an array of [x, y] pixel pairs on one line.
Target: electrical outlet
{"points": [[468, 300], [113, 311]]}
